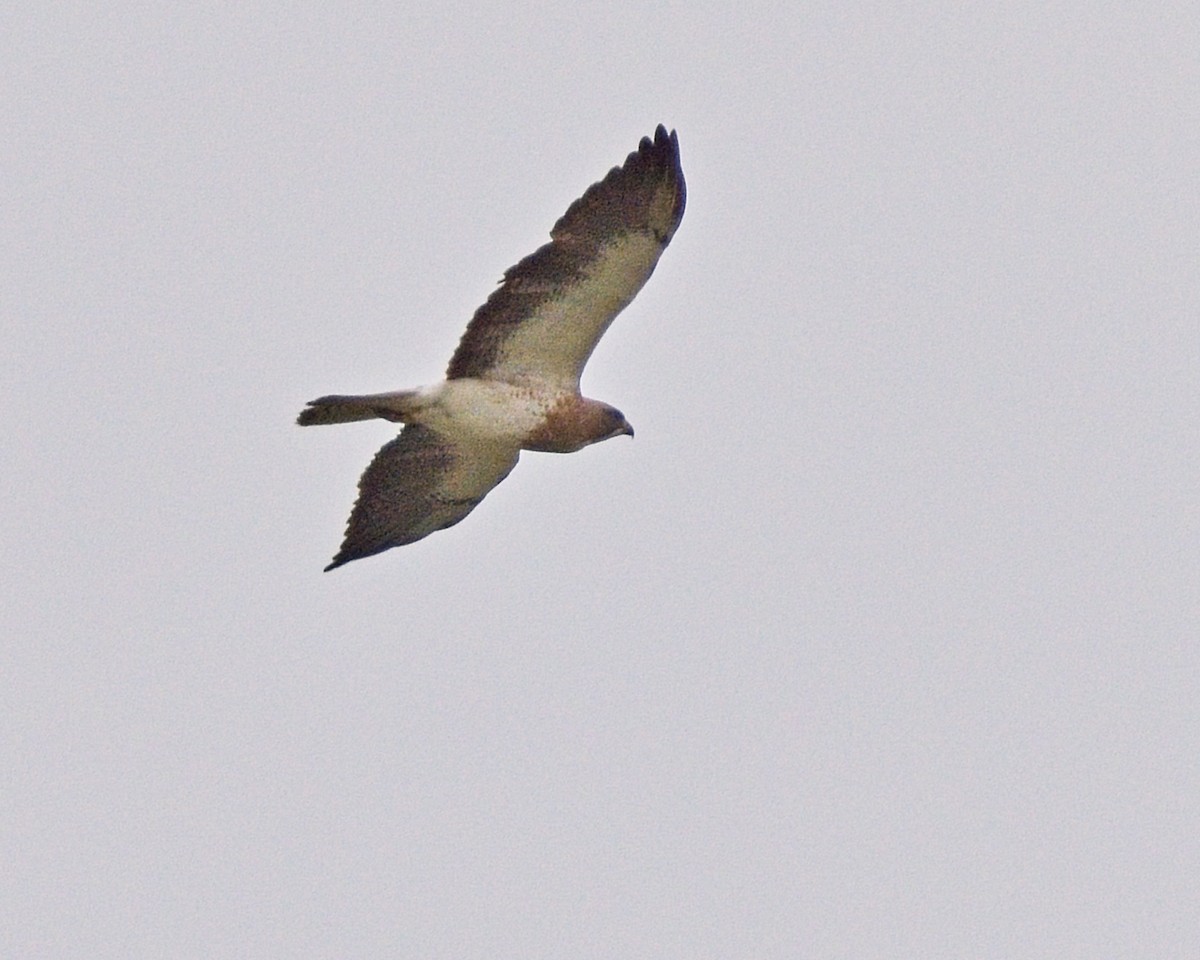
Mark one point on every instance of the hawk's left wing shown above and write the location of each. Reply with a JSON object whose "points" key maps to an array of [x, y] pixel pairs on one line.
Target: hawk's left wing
{"points": [[421, 482]]}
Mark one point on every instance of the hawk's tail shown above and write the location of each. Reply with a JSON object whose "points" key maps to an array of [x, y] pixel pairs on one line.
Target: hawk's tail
{"points": [[396, 407]]}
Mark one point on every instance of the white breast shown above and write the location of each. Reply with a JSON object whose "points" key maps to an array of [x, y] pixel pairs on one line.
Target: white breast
{"points": [[486, 408]]}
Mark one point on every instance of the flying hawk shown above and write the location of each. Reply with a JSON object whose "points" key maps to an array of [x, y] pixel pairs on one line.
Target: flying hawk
{"points": [[513, 382]]}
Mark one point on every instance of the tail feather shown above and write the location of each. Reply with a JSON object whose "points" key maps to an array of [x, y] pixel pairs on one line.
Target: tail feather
{"points": [[347, 409]]}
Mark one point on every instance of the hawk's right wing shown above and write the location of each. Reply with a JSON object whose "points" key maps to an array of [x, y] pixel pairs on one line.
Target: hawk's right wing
{"points": [[549, 312]]}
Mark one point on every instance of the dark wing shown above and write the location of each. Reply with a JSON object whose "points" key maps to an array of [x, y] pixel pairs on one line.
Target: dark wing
{"points": [[418, 484], [551, 309]]}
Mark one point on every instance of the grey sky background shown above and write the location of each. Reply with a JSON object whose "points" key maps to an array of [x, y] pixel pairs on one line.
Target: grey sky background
{"points": [[880, 640]]}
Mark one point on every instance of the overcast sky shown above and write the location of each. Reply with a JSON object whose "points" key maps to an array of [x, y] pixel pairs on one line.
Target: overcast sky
{"points": [[878, 641]]}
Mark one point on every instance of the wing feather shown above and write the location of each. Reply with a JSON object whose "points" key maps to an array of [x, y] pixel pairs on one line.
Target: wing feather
{"points": [[421, 482], [550, 310]]}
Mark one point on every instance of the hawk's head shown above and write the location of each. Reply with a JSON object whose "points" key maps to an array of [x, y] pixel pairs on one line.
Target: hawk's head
{"points": [[614, 424]]}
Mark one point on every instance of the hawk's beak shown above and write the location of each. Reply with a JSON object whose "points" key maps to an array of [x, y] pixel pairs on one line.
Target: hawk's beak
{"points": [[628, 431]]}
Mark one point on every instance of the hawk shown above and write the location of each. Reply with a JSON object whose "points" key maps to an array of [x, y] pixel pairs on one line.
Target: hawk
{"points": [[513, 382]]}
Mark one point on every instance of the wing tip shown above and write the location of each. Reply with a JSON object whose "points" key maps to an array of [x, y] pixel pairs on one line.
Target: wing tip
{"points": [[663, 139], [662, 153], [345, 554], [349, 553], [664, 147]]}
